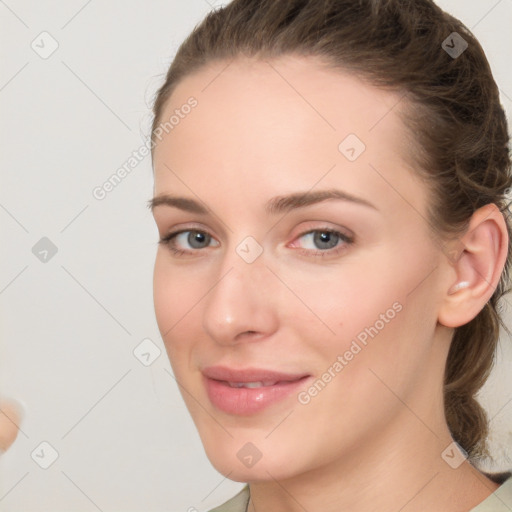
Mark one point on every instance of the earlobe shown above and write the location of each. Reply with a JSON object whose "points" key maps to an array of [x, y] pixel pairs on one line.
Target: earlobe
{"points": [[478, 267]]}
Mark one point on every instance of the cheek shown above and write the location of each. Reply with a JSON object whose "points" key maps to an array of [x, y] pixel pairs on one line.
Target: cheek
{"points": [[364, 309], [175, 294], [370, 315], [335, 304]]}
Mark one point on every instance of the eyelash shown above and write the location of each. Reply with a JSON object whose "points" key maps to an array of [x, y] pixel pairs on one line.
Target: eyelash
{"points": [[346, 239]]}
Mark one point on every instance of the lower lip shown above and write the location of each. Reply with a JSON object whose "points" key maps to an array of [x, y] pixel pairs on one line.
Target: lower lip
{"points": [[246, 401]]}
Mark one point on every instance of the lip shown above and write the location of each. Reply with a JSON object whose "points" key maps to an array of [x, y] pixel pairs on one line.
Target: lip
{"points": [[246, 401]]}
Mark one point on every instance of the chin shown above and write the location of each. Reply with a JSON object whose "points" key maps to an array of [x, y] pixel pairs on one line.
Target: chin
{"points": [[243, 461], [258, 473]]}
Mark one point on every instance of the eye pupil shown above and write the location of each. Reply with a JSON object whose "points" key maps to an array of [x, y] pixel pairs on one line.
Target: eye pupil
{"points": [[197, 239], [325, 239]]}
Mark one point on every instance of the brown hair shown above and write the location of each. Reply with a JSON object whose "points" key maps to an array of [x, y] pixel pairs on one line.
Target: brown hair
{"points": [[459, 127]]}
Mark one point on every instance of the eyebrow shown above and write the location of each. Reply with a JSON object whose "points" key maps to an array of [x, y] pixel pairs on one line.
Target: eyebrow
{"points": [[275, 206]]}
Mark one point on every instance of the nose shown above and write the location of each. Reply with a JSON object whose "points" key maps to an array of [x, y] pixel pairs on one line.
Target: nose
{"points": [[241, 305]]}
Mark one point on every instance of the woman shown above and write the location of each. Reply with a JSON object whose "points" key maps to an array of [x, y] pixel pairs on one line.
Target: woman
{"points": [[330, 181]]}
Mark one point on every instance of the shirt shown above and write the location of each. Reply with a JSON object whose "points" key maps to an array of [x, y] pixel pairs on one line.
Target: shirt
{"points": [[499, 501]]}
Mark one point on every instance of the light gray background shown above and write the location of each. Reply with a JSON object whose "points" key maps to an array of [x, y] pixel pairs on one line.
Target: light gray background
{"points": [[69, 326]]}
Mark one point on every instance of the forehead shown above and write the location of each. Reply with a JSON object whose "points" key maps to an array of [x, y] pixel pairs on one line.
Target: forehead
{"points": [[292, 89], [285, 123]]}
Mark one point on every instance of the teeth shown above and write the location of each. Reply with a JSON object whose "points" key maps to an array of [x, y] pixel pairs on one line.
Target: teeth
{"points": [[250, 385]]}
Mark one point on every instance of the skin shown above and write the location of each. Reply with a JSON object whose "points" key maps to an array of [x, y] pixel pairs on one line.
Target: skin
{"points": [[372, 439], [10, 417]]}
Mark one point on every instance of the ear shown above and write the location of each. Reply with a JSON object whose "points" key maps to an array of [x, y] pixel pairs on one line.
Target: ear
{"points": [[477, 267]]}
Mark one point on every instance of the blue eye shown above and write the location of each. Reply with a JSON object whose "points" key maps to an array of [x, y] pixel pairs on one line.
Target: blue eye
{"points": [[187, 241], [318, 242], [322, 239], [322, 242]]}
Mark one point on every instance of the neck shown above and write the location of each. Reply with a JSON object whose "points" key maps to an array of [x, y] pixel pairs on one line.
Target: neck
{"points": [[401, 469]]}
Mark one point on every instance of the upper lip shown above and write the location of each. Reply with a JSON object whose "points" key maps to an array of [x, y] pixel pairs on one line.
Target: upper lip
{"points": [[227, 374]]}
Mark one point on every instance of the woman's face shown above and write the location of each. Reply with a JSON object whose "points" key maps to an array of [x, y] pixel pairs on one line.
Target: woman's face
{"points": [[297, 327]]}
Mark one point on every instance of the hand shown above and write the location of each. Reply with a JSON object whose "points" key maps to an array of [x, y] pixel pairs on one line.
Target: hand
{"points": [[10, 417]]}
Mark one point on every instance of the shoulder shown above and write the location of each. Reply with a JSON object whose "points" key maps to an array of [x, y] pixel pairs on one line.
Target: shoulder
{"points": [[236, 504], [501, 499]]}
